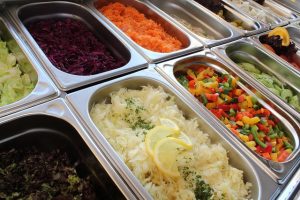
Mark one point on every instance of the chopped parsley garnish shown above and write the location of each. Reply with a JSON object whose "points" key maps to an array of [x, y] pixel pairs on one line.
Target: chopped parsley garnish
{"points": [[202, 190]]}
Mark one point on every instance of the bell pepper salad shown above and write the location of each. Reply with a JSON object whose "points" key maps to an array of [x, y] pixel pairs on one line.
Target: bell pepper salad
{"points": [[255, 125]]}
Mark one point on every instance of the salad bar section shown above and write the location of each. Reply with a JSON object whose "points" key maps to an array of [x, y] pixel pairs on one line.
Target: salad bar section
{"points": [[131, 99]]}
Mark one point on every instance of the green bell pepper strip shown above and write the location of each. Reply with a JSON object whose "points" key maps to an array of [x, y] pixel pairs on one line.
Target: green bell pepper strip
{"points": [[255, 136]]}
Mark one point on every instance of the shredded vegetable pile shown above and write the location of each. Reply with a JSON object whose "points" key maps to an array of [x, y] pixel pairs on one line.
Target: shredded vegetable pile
{"points": [[169, 154], [14, 84], [145, 32], [72, 47], [241, 113]]}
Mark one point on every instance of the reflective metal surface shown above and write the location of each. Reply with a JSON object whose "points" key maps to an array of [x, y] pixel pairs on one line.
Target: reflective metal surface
{"points": [[293, 5], [55, 127], [249, 51], [214, 30], [44, 89], [230, 15], [100, 92], [294, 36], [190, 44], [279, 171], [31, 12], [256, 11], [279, 10]]}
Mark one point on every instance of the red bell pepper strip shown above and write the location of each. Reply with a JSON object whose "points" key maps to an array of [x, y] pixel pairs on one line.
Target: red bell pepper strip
{"points": [[212, 97], [192, 84], [224, 107], [263, 128], [283, 156]]}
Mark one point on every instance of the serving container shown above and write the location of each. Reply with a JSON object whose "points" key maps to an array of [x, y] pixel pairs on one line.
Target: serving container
{"points": [[294, 36], [230, 14], [291, 190], [249, 51], [44, 89], [294, 32], [279, 171], [291, 4], [280, 10], [272, 19], [22, 15], [88, 97], [189, 43], [198, 16], [52, 126]]}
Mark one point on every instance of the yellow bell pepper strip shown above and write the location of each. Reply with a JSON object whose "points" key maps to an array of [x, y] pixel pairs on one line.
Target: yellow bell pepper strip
{"points": [[250, 121], [245, 138], [274, 156], [249, 101], [240, 112], [191, 74]]}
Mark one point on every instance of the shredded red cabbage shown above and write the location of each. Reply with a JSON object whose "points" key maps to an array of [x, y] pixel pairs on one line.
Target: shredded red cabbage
{"points": [[72, 47]]}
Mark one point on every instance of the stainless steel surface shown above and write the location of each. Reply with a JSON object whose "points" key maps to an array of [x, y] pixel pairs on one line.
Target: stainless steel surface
{"points": [[230, 14], [30, 12], [279, 171], [270, 18], [291, 4], [65, 132], [294, 32], [291, 188], [44, 89], [190, 44], [294, 36], [249, 51], [280, 10], [98, 93], [212, 26]]}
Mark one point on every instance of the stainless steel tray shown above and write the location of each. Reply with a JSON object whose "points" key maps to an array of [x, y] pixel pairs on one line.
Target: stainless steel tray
{"points": [[231, 14], [279, 171], [44, 89], [55, 126], [294, 32], [116, 44], [253, 173], [271, 19], [190, 44], [293, 5], [294, 36], [200, 17], [280, 10], [249, 51]]}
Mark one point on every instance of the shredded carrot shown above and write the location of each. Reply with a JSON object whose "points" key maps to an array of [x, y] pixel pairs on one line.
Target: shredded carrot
{"points": [[145, 32]]}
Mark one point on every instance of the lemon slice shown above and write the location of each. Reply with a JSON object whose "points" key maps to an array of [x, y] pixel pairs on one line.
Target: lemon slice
{"points": [[185, 141], [156, 134], [169, 123], [165, 154], [283, 33]]}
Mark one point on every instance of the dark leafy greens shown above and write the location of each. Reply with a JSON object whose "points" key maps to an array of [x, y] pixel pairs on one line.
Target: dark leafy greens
{"points": [[30, 174]]}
